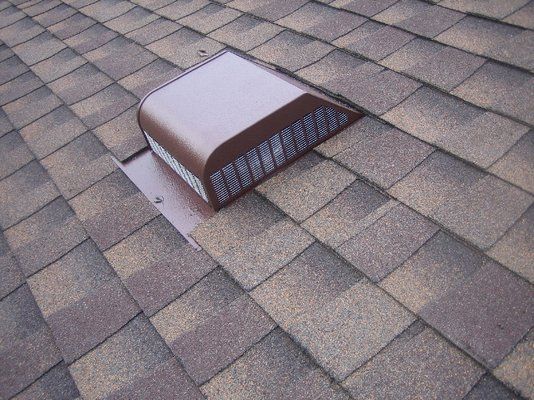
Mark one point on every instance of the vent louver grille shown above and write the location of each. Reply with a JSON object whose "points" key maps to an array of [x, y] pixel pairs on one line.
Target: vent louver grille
{"points": [[186, 175], [278, 150]]}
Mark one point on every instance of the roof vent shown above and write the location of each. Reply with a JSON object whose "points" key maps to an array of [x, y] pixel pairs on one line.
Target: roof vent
{"points": [[228, 124]]}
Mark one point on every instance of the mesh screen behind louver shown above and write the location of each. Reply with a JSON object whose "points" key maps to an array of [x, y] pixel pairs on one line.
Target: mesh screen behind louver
{"points": [[186, 175], [278, 150]]}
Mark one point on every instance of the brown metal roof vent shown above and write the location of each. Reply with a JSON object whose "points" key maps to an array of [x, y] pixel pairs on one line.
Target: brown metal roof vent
{"points": [[228, 124]]}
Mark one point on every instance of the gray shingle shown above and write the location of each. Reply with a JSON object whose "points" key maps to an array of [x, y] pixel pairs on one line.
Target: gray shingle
{"points": [[20, 32], [39, 48], [419, 17], [374, 40], [24, 192], [55, 15], [80, 84], [149, 77], [14, 153], [268, 9], [500, 88], [18, 87], [437, 267], [32, 106], [273, 369], [442, 66], [484, 212], [386, 158], [71, 26], [153, 31], [46, 236], [104, 10], [417, 364], [90, 38], [52, 131], [291, 51], [54, 385], [478, 136], [486, 315], [210, 339], [363, 7], [209, 18], [387, 243], [493, 8], [246, 32], [112, 209], [182, 47], [354, 210], [514, 249], [523, 17], [58, 65], [517, 166], [156, 264], [181, 8], [321, 21], [312, 188], [82, 300], [79, 164], [134, 19], [489, 388]]}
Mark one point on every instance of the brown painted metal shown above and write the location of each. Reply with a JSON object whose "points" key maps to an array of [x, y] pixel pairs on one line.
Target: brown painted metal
{"points": [[219, 110], [168, 192]]}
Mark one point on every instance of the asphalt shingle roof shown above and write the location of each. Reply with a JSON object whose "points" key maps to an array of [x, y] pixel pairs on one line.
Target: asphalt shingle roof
{"points": [[393, 262]]}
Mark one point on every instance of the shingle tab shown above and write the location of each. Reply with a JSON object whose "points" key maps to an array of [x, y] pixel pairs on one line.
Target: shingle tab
{"points": [[82, 300], [181, 8], [303, 195], [500, 88], [39, 48], [478, 136], [386, 158], [103, 106], [120, 57], [211, 337], [149, 77], [46, 236], [133, 360], [26, 345], [517, 165], [493, 8], [209, 18], [268, 9], [486, 315], [514, 369], [247, 217], [255, 259], [291, 51], [24, 192], [364, 83], [32, 106], [354, 210], [485, 211], [14, 153], [523, 17], [320, 21], [55, 15], [364, 7], [442, 66], [122, 135], [80, 84], [374, 40], [182, 47], [12, 276], [417, 364], [419, 17], [104, 10], [273, 369], [71, 26], [58, 65], [514, 249], [79, 164], [437, 267], [134, 19], [19, 87], [55, 384], [489, 388], [387, 243], [157, 265], [112, 209], [19, 32], [11, 68], [155, 30], [52, 131], [246, 32], [90, 38]]}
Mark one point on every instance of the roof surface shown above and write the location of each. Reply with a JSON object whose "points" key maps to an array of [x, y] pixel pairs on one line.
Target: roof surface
{"points": [[394, 262]]}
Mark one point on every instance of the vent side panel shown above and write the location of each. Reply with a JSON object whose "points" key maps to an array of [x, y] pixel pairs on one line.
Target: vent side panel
{"points": [[184, 173]]}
